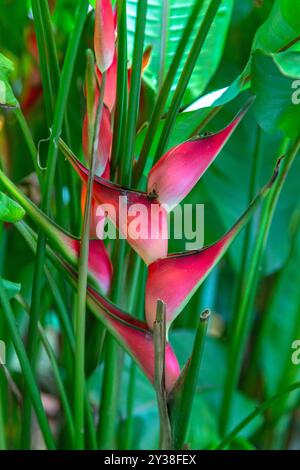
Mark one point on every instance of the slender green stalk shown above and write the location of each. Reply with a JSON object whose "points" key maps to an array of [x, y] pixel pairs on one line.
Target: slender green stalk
{"points": [[249, 228], [60, 386], [63, 93], [29, 140], [258, 410], [80, 313], [163, 42], [2, 402], [133, 292], [91, 436], [134, 94], [164, 93], [185, 77], [50, 43], [188, 390], [43, 58], [108, 405], [159, 337], [241, 322], [122, 88], [26, 369]]}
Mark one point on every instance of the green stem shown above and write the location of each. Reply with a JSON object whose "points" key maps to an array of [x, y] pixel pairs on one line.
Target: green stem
{"points": [[259, 410], [134, 94], [159, 337], [133, 293], [80, 313], [164, 94], [26, 369], [249, 228], [29, 140], [62, 97], [122, 88], [108, 405], [163, 42], [188, 390], [240, 324], [185, 77]]}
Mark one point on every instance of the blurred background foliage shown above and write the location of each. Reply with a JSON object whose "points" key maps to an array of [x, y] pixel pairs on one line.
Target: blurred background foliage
{"points": [[225, 191]]}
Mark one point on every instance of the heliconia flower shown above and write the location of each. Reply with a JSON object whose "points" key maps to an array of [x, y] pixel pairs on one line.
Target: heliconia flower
{"points": [[138, 217], [104, 36], [135, 336], [132, 333], [175, 278], [105, 140], [177, 172]]}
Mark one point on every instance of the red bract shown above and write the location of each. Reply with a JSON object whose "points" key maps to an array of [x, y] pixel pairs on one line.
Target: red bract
{"points": [[147, 234], [105, 141], [99, 263], [175, 278], [136, 337], [104, 37], [177, 172]]}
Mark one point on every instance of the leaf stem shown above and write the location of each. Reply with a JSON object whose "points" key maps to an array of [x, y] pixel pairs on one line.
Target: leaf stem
{"points": [[159, 337], [63, 93], [134, 94], [119, 130], [186, 393], [80, 313], [29, 141]]}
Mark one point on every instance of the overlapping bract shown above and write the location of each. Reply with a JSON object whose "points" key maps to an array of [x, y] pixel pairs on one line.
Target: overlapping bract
{"points": [[136, 337], [177, 172], [175, 278]]}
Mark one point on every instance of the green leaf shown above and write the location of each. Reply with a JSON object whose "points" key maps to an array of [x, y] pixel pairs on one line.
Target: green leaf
{"points": [[281, 27], [10, 211], [273, 81], [7, 97], [281, 326], [165, 24], [11, 288]]}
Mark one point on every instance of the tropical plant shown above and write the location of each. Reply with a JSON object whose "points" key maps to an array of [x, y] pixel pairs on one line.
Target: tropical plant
{"points": [[113, 121]]}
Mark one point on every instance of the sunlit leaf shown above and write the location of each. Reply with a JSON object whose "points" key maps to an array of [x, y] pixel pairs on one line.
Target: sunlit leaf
{"points": [[10, 211]]}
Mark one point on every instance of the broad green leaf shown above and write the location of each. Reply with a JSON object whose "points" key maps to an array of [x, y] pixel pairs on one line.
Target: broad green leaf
{"points": [[7, 97], [274, 82], [10, 211], [281, 327], [166, 21], [281, 28]]}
